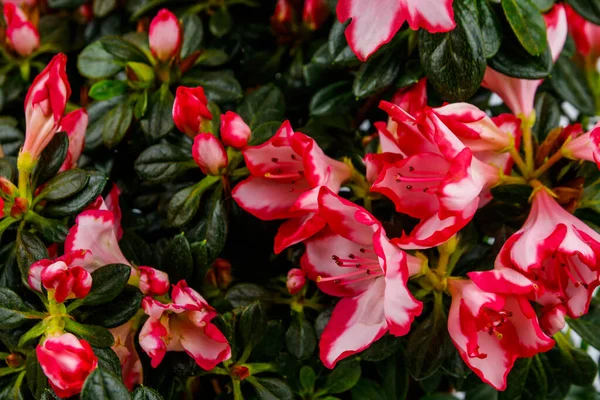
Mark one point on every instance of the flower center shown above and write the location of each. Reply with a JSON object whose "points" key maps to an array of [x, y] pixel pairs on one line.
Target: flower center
{"points": [[559, 267], [420, 180], [366, 266], [288, 172], [493, 320]]}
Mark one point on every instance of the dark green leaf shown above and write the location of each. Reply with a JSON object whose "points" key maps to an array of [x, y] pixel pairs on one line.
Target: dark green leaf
{"points": [[245, 293], [29, 250], [193, 33], [52, 158], [64, 185], [491, 29], [13, 312], [570, 83], [75, 204], [184, 205], [271, 389], [122, 50], [145, 393], [343, 377], [102, 385], [108, 360], [220, 22], [263, 105], [547, 112], [300, 339], [107, 283], [588, 9], [107, 89], [220, 86], [50, 229], [11, 138], [382, 349], [10, 387], [38, 330], [96, 335], [379, 72], [136, 250], [513, 60], [178, 258], [117, 123], [528, 24], [96, 63], [368, 389], [307, 379], [588, 326], [118, 311], [577, 364], [213, 227], [253, 322], [163, 162], [159, 119], [36, 380], [544, 5], [97, 112]]}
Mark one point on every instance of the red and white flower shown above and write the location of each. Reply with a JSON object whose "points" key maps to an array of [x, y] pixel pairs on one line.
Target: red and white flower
{"points": [[183, 325], [556, 251], [210, 155], [438, 180], [64, 275], [74, 124], [352, 258], [518, 94], [584, 147], [287, 172], [492, 323], [66, 362], [44, 107], [585, 33], [22, 35], [190, 109], [153, 282], [124, 347], [296, 279], [314, 13], [234, 131], [165, 36], [375, 23]]}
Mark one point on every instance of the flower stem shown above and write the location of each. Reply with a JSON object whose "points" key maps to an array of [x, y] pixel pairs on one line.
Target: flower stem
{"points": [[528, 141], [546, 166], [516, 180], [519, 161], [237, 390]]}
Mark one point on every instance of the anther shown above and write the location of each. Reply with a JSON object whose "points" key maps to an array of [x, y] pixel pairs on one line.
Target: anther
{"points": [[409, 187], [274, 159]]}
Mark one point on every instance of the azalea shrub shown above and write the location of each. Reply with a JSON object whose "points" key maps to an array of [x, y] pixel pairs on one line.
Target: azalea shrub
{"points": [[299, 199]]}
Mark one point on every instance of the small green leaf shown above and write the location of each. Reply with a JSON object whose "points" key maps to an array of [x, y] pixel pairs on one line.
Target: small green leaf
{"points": [[29, 250], [491, 29], [107, 283], [213, 227], [163, 162], [52, 158], [220, 86], [307, 379], [158, 121], [102, 8], [220, 22], [588, 9], [343, 377], [570, 83], [547, 113], [178, 258], [107, 89], [300, 339], [241, 295], [102, 385], [117, 123], [36, 380], [38, 330], [122, 50], [193, 33], [253, 322], [64, 185], [117, 311], [184, 205], [108, 360], [379, 72], [142, 72], [145, 393], [332, 99], [96, 335], [96, 63], [76, 203], [528, 24], [368, 389], [271, 389], [13, 311]]}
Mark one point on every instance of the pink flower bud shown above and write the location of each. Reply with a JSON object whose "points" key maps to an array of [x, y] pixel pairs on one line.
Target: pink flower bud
{"points": [[190, 110], [66, 282], [66, 362], [153, 282], [553, 319], [7, 188], [22, 35], [209, 154], [165, 35], [234, 131], [296, 279], [74, 124], [19, 207], [45, 105], [315, 13]]}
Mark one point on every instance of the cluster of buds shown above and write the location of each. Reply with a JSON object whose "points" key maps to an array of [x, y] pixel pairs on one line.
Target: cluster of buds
{"points": [[285, 19]]}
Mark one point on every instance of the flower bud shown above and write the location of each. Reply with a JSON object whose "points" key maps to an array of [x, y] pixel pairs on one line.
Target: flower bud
{"points": [[234, 131], [7, 188], [190, 110], [282, 18], [153, 282], [66, 362], [220, 274], [315, 13], [74, 124], [14, 360], [241, 372], [44, 107], [19, 207], [209, 154], [22, 35], [66, 282], [296, 279], [165, 35], [553, 319]]}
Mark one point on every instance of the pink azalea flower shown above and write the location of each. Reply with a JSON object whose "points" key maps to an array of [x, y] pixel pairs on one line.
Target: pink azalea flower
{"points": [[165, 36], [73, 282], [183, 325], [234, 131], [287, 172], [352, 258], [70, 260], [375, 23], [558, 252], [492, 323], [66, 362], [190, 110], [584, 147], [44, 107], [74, 124], [153, 282], [585, 33], [518, 94], [210, 155], [124, 347], [438, 181], [22, 35]]}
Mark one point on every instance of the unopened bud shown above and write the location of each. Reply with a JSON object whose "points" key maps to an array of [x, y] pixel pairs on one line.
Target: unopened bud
{"points": [[296, 279]]}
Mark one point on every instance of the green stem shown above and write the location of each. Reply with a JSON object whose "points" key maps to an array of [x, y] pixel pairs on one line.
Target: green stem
{"points": [[257, 368], [526, 126], [514, 153], [547, 165], [237, 390]]}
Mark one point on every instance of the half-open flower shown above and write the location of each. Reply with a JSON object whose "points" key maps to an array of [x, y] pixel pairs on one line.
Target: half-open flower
{"points": [[183, 325], [352, 258], [286, 174], [66, 362], [66, 282], [190, 109], [165, 36], [153, 282], [375, 23], [492, 323], [22, 35], [209, 154], [70, 260], [74, 124], [558, 252], [124, 347], [584, 147]]}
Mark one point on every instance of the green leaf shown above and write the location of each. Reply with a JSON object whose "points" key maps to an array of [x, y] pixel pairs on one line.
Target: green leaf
{"points": [[307, 379], [271, 389], [107, 284], [368, 389], [108, 360], [544, 5], [263, 105], [587, 326], [117, 123], [193, 33], [213, 226], [379, 72], [577, 364], [455, 61], [178, 257], [102, 385], [528, 24], [145, 393], [253, 322], [63, 185], [491, 29], [75, 204], [52, 158], [162, 163], [212, 58], [10, 388], [159, 120], [343, 377], [50, 229], [220, 22], [184, 205], [588, 9], [96, 63], [36, 380], [107, 89], [300, 339], [512, 60], [117, 311], [29, 250], [96, 335], [102, 8], [38, 330], [518, 381], [48, 394], [220, 86], [122, 50], [13, 311], [570, 83], [97, 112], [136, 249], [243, 294], [547, 112], [338, 51], [382, 349]]}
